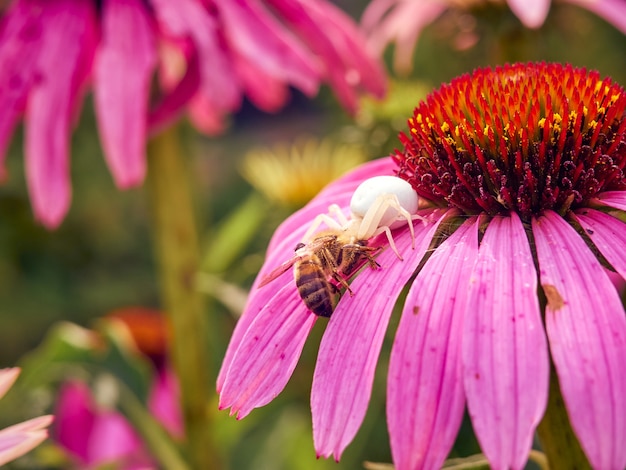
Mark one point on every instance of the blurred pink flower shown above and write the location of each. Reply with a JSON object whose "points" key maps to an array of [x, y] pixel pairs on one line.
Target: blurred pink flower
{"points": [[95, 435], [402, 21], [210, 54], [20, 438], [518, 163]]}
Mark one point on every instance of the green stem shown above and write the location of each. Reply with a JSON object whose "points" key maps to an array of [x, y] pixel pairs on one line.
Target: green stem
{"points": [[556, 435], [178, 256]]}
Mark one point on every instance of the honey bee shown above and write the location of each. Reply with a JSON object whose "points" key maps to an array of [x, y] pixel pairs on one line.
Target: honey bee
{"points": [[323, 265]]}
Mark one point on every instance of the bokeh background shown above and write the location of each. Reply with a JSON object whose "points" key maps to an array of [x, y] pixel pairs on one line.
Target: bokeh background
{"points": [[102, 256]]}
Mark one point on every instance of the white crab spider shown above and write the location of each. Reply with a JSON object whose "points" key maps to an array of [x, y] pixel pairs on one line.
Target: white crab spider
{"points": [[379, 204]]}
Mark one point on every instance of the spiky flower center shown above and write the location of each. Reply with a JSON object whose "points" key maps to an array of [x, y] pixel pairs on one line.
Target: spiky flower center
{"points": [[523, 138]]}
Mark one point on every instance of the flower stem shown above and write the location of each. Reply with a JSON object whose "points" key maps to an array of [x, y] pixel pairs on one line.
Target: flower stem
{"points": [[556, 435], [178, 257]]}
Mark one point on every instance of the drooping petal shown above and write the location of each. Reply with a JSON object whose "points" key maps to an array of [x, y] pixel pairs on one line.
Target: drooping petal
{"points": [[191, 19], [164, 401], [608, 234], [268, 353], [257, 36], [613, 11], [20, 44], [51, 105], [615, 199], [400, 22], [425, 398], [173, 102], [112, 439], [505, 353], [266, 92], [123, 71], [332, 35], [586, 329], [349, 350], [532, 13], [19, 439], [7, 379], [74, 419]]}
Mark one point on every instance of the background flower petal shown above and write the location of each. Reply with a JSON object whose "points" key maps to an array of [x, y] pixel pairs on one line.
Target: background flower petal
{"points": [[505, 352], [7, 379], [401, 22], [613, 11], [253, 32], [268, 353], [532, 13], [608, 234], [425, 398], [20, 44], [15, 444], [333, 36], [586, 329], [51, 104], [342, 383], [123, 71], [190, 19]]}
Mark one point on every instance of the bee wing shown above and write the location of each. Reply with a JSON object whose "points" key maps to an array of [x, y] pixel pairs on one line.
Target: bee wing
{"points": [[278, 271]]}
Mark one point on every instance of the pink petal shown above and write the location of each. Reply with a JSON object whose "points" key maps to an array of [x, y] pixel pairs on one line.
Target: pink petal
{"points": [[173, 103], [333, 36], [285, 238], [532, 13], [613, 11], [16, 444], [75, 419], [425, 398], [7, 379], [123, 72], [505, 352], [265, 91], [205, 116], [34, 424], [255, 35], [608, 234], [399, 22], [51, 105], [164, 400], [112, 439], [349, 350], [20, 44], [191, 19], [268, 353], [586, 328], [615, 199]]}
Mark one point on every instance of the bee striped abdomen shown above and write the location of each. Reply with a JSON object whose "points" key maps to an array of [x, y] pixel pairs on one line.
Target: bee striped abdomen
{"points": [[316, 292]]}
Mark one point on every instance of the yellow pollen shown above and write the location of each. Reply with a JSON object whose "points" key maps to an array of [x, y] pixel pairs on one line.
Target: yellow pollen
{"points": [[557, 118], [597, 87], [585, 111], [445, 127], [542, 122]]}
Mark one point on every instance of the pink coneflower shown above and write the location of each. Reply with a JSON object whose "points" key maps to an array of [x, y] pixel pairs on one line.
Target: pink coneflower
{"points": [[20, 438], [522, 167], [210, 54], [402, 21]]}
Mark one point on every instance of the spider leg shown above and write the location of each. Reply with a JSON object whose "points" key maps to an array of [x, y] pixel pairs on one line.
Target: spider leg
{"points": [[319, 220], [335, 210], [392, 244], [374, 215]]}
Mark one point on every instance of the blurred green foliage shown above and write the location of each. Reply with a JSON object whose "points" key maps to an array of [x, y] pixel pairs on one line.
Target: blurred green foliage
{"points": [[101, 257]]}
